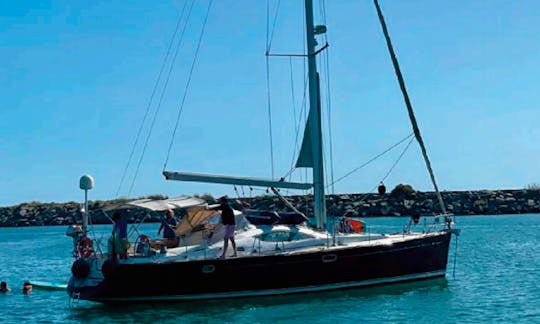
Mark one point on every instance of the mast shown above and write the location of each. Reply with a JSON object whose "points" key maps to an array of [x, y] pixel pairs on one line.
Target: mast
{"points": [[408, 104], [315, 120], [311, 152]]}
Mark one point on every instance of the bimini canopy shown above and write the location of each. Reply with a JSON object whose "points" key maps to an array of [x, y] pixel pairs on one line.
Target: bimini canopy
{"points": [[196, 216], [164, 204]]}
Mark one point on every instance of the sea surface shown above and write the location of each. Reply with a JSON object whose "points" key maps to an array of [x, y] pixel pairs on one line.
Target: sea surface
{"points": [[497, 280]]}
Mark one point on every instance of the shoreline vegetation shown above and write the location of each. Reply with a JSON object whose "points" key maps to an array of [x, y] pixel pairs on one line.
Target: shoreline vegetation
{"points": [[403, 200]]}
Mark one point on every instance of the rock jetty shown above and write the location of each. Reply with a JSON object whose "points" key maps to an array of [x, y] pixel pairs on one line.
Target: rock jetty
{"points": [[486, 202], [403, 203]]}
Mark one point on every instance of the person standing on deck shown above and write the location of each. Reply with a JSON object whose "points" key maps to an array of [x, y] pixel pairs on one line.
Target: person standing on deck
{"points": [[120, 235], [228, 221]]}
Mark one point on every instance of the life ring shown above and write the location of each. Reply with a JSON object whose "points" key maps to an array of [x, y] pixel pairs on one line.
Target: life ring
{"points": [[85, 247]]}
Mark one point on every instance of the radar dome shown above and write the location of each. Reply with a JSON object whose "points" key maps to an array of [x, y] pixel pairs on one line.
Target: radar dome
{"points": [[86, 182]]}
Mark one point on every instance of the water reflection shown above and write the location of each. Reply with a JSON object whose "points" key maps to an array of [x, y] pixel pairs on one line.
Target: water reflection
{"points": [[229, 308]]}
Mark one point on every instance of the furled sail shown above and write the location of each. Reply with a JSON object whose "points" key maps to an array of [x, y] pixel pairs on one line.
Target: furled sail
{"points": [[305, 157]]}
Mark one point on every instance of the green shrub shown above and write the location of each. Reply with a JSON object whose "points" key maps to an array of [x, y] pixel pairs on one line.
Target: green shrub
{"points": [[403, 191], [206, 197], [157, 197]]}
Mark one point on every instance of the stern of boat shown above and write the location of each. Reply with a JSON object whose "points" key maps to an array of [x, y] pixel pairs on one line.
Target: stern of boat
{"points": [[86, 275]]}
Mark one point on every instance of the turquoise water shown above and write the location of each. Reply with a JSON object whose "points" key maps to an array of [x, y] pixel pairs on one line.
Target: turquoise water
{"points": [[497, 280]]}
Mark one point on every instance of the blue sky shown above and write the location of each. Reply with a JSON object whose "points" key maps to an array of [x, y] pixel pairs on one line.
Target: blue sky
{"points": [[76, 76]]}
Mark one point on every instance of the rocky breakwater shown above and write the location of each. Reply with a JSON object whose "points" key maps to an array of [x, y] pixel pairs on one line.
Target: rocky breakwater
{"points": [[402, 201], [409, 202], [47, 214]]}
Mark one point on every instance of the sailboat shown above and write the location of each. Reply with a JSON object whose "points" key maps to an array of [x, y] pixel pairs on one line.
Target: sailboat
{"points": [[277, 258]]}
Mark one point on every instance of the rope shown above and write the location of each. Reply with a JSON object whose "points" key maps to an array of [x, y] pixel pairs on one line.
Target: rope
{"points": [[269, 40], [322, 6], [373, 159], [268, 97], [395, 163], [294, 116], [163, 91], [289, 172], [149, 104], [323, 115], [297, 122], [416, 130], [328, 103], [188, 83], [268, 102], [455, 258], [305, 74], [267, 24]]}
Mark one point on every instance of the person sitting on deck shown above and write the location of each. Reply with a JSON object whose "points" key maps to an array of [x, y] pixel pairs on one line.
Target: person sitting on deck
{"points": [[168, 225], [3, 287]]}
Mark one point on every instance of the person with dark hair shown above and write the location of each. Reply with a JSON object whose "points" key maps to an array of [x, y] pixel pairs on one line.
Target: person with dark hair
{"points": [[27, 288], [381, 188], [3, 287], [228, 221], [121, 243]]}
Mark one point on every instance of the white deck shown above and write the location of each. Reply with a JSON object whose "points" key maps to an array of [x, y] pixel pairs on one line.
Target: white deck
{"points": [[274, 240]]}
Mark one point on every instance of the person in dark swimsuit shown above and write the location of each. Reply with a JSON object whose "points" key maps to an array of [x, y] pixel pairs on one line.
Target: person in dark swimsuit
{"points": [[27, 288], [3, 287]]}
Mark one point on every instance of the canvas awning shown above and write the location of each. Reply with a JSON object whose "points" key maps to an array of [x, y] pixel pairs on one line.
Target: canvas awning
{"points": [[161, 204], [195, 216], [165, 204]]}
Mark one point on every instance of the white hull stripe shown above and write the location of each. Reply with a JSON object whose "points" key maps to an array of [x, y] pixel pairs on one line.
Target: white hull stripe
{"points": [[283, 291]]}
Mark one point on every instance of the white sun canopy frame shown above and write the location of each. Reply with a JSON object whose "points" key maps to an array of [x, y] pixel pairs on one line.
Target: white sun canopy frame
{"points": [[165, 204]]}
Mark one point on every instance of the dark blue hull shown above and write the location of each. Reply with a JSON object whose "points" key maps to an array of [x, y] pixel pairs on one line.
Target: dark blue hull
{"points": [[343, 267]]}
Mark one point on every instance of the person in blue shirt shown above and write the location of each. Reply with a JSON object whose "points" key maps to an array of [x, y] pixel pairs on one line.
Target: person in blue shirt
{"points": [[120, 235]]}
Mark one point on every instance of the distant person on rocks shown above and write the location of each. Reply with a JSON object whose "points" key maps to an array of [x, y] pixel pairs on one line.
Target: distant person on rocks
{"points": [[228, 221], [3, 287], [381, 188], [27, 288]]}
